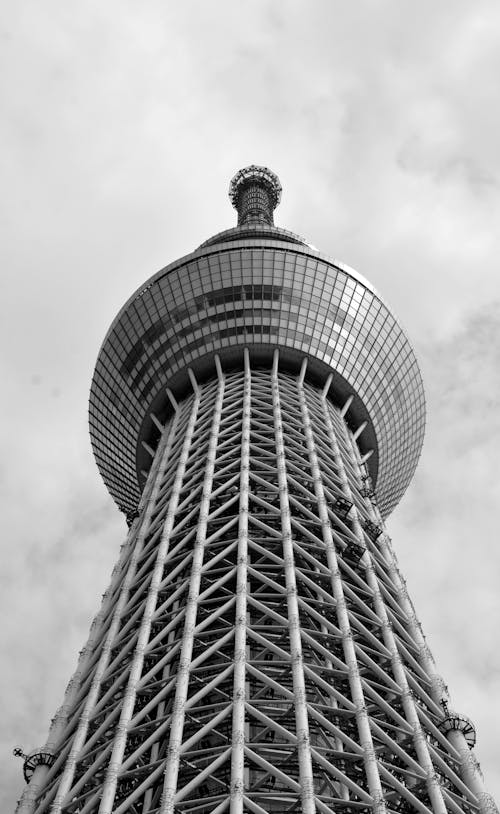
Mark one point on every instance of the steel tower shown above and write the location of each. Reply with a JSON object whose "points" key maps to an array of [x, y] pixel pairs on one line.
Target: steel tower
{"points": [[256, 411]]}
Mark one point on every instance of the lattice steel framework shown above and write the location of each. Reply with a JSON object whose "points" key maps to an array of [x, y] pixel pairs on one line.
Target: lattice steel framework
{"points": [[257, 650]]}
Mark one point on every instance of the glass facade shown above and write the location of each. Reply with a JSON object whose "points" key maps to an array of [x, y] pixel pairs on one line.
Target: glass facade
{"points": [[251, 292]]}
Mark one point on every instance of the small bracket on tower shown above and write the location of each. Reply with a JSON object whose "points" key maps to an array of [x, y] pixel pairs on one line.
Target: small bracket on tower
{"points": [[38, 757], [453, 721], [353, 552], [373, 531], [342, 507], [367, 489]]}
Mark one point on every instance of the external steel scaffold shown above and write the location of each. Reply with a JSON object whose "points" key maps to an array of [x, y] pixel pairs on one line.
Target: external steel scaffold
{"points": [[256, 412]]}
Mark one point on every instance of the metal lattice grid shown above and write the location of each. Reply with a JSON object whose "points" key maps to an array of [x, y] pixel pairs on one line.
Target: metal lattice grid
{"points": [[257, 650]]}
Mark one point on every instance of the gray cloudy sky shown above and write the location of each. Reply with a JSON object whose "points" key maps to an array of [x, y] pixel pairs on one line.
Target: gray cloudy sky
{"points": [[122, 125]]}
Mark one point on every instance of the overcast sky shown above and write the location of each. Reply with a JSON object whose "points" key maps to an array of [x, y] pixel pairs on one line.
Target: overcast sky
{"points": [[122, 123]]}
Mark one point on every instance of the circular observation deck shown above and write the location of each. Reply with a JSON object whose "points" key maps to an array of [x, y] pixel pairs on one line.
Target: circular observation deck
{"points": [[260, 287]]}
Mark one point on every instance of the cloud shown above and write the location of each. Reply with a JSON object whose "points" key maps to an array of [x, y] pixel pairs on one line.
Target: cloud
{"points": [[122, 127], [446, 528]]}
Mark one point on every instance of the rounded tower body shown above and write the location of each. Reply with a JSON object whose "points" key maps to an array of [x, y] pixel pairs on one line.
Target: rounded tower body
{"points": [[256, 411]]}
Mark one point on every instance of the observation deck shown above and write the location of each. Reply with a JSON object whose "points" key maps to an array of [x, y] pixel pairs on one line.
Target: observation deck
{"points": [[259, 287]]}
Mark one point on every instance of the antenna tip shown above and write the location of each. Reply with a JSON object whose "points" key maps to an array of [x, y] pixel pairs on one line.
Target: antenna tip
{"points": [[255, 192]]}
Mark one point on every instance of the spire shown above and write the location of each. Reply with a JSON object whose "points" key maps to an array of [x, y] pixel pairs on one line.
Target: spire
{"points": [[255, 192]]}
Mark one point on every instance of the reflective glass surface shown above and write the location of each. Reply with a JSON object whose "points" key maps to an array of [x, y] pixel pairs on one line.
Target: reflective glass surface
{"points": [[239, 292]]}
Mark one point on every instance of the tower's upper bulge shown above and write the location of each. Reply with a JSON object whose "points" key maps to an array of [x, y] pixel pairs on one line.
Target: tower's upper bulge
{"points": [[260, 287]]}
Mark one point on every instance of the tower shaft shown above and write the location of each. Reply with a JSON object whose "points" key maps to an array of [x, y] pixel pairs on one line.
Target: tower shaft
{"points": [[256, 411], [256, 650]]}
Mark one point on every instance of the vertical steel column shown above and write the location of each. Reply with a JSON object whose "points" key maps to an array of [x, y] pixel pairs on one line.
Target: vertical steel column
{"points": [[470, 771], [398, 670], [362, 719], [299, 689], [79, 739], [109, 785], [344, 791], [160, 710], [182, 685], [30, 794], [239, 691]]}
